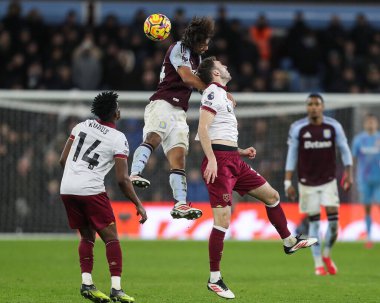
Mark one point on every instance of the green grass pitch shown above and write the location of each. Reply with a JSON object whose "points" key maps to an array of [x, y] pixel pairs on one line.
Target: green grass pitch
{"points": [[177, 272]]}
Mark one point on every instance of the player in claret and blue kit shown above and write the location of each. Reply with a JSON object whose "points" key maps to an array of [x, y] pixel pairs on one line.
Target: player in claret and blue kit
{"points": [[165, 115], [312, 149], [92, 149]]}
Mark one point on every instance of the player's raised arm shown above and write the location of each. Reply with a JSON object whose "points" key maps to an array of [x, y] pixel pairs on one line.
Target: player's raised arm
{"points": [[125, 184]]}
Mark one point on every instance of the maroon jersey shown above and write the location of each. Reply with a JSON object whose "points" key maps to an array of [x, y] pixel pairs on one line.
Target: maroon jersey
{"points": [[171, 88], [314, 146]]}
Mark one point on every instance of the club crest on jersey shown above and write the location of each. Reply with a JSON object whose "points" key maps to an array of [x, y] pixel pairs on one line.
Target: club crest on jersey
{"points": [[226, 197], [210, 96], [162, 124], [327, 133]]}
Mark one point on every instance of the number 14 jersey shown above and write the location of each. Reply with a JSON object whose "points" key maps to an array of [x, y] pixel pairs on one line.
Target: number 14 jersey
{"points": [[91, 157]]}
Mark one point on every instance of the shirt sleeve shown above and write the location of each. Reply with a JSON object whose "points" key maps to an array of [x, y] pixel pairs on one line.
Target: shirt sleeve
{"points": [[293, 142], [341, 142], [74, 132], [180, 56], [211, 101], [121, 147]]}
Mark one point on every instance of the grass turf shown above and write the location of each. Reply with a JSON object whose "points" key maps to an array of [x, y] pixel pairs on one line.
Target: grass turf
{"points": [[177, 272]]}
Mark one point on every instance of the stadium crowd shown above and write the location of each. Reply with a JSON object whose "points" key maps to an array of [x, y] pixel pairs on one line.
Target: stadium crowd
{"points": [[37, 55]]}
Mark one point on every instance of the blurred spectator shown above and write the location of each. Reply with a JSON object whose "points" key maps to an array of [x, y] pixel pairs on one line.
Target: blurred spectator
{"points": [[261, 34], [87, 69]]}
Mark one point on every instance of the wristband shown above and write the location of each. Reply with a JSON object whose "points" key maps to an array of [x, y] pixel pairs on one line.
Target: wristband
{"points": [[287, 184]]}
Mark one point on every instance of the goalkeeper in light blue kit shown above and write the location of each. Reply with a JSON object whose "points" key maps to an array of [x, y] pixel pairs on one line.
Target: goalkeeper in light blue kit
{"points": [[366, 153]]}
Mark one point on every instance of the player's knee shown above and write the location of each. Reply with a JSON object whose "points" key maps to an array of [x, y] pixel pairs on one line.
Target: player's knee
{"points": [[153, 139], [273, 198], [223, 219]]}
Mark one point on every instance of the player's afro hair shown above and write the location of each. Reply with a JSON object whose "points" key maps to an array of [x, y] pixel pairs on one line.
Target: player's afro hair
{"points": [[198, 31], [104, 105]]}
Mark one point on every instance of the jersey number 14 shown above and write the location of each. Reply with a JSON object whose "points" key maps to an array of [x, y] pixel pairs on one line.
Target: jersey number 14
{"points": [[92, 162]]}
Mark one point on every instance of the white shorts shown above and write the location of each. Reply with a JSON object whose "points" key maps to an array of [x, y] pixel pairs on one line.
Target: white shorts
{"points": [[169, 122], [312, 197]]}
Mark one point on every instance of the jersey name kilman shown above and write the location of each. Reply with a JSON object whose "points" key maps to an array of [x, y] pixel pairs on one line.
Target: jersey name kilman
{"points": [[95, 145]]}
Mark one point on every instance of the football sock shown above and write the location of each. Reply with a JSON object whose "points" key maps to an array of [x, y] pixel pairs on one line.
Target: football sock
{"points": [[289, 241], [140, 158], [214, 276], [314, 223], [87, 278], [331, 233], [115, 282], [368, 224], [114, 257], [277, 217], [177, 180], [86, 257], [215, 247]]}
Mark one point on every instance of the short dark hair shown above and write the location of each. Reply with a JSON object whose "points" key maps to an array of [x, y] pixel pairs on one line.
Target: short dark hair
{"points": [[198, 31], [370, 116], [104, 105], [316, 95], [204, 71]]}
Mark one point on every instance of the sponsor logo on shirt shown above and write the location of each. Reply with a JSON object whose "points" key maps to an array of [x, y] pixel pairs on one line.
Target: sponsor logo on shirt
{"points": [[317, 144], [208, 103], [306, 135], [210, 96], [162, 124], [229, 108]]}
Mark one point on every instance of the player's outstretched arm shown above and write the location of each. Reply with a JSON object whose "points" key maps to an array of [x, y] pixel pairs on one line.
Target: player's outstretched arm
{"points": [[125, 184], [65, 152]]}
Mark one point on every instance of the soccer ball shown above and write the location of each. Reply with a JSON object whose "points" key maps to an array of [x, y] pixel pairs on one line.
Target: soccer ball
{"points": [[157, 27]]}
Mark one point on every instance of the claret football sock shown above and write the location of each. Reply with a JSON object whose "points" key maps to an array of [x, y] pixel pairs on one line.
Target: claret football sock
{"points": [[215, 247], [86, 256], [114, 257], [277, 217]]}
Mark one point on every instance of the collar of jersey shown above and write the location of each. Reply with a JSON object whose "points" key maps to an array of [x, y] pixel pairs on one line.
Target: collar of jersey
{"points": [[109, 124], [218, 84]]}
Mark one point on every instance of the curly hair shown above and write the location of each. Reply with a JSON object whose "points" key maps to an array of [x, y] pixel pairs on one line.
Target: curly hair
{"points": [[104, 105], [197, 32], [204, 71]]}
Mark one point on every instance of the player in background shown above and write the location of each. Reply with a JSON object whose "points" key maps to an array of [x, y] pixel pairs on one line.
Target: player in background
{"points": [[224, 171], [165, 115], [92, 149], [312, 149], [366, 153]]}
